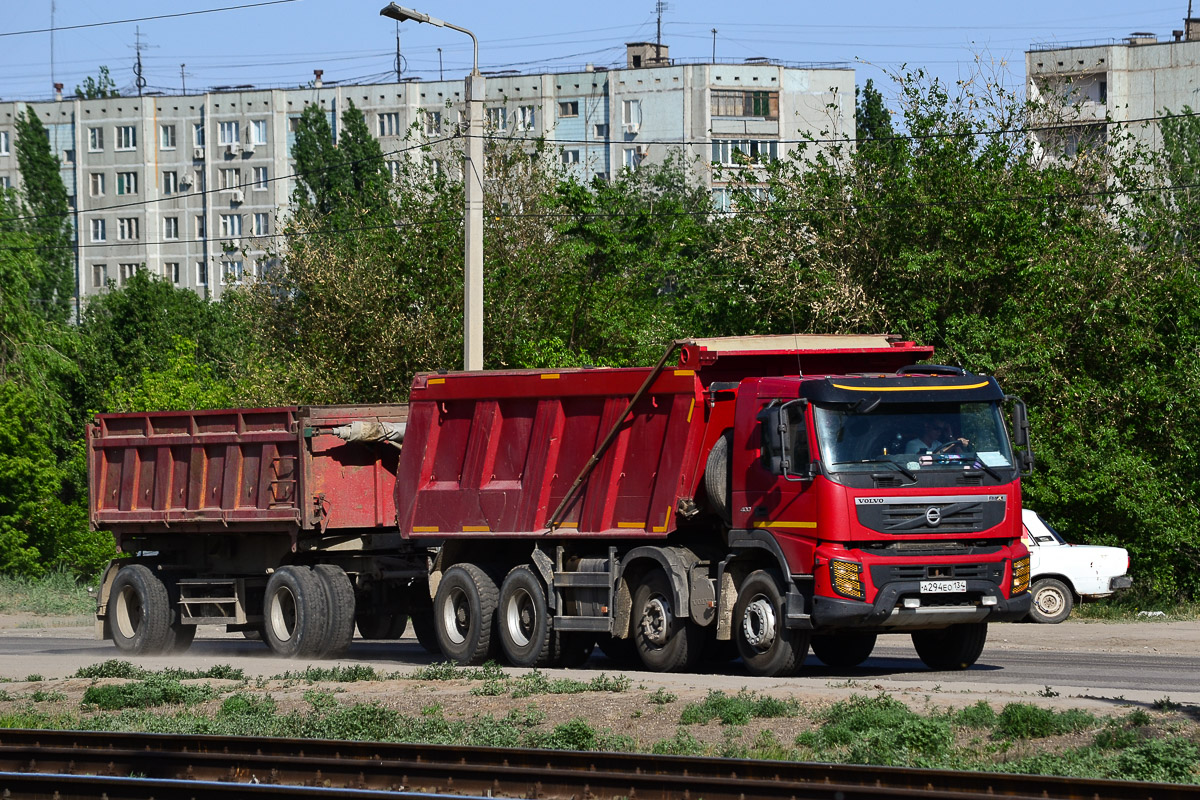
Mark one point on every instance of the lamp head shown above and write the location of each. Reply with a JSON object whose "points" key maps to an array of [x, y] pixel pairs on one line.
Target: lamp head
{"points": [[402, 14]]}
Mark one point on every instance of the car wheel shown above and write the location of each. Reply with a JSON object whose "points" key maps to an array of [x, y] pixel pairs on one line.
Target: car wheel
{"points": [[1052, 601]]}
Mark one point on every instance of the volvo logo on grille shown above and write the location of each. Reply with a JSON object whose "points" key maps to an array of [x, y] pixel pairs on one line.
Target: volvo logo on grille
{"points": [[933, 515]]}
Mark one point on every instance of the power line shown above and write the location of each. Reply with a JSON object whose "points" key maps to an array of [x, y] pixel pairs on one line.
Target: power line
{"points": [[145, 19]]}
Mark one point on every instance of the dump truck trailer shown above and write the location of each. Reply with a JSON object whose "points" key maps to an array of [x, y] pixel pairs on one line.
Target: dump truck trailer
{"points": [[745, 498]]}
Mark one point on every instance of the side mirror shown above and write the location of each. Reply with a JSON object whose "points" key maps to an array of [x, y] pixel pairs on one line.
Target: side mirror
{"points": [[784, 442], [1020, 423]]}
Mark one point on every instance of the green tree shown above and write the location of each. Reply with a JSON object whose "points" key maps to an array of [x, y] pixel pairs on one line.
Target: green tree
{"points": [[47, 217], [322, 176], [98, 87]]}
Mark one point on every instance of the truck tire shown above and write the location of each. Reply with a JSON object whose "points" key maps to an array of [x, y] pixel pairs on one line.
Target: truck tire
{"points": [[139, 612], [374, 625], [295, 611], [464, 612], [718, 475], [425, 629], [1052, 601], [843, 650], [339, 594], [665, 642], [523, 619], [623, 652], [956, 647], [768, 648]]}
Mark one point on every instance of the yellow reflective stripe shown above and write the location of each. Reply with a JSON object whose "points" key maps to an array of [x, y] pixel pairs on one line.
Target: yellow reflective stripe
{"points": [[768, 524], [663, 528], [631, 525], [691, 408], [685, 372], [432, 381], [908, 388], [425, 529], [550, 376], [477, 528]]}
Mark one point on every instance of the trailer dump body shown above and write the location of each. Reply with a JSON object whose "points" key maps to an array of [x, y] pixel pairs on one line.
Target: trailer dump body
{"points": [[749, 497]]}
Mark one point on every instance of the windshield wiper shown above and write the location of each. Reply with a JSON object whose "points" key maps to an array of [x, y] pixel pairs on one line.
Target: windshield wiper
{"points": [[911, 476], [989, 470]]}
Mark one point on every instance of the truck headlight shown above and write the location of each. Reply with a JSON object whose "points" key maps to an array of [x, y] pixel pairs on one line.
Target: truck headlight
{"points": [[846, 577], [1020, 579]]}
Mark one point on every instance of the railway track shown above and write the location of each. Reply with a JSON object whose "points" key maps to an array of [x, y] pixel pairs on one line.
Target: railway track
{"points": [[120, 766]]}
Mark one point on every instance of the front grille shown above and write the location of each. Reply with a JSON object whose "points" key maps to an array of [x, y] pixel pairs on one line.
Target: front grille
{"points": [[923, 515], [942, 547], [899, 518], [891, 573]]}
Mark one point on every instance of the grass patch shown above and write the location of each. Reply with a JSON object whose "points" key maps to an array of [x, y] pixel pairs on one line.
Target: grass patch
{"points": [[114, 668], [1026, 721], [880, 730], [56, 594], [738, 709], [155, 690], [352, 673]]}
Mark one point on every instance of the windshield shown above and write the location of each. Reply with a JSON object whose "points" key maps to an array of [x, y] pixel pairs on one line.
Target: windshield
{"points": [[913, 436]]}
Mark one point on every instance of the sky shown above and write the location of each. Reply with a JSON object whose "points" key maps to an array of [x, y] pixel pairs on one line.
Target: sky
{"points": [[278, 43]]}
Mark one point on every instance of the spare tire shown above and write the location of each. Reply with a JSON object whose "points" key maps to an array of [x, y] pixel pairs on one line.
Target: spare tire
{"points": [[718, 476]]}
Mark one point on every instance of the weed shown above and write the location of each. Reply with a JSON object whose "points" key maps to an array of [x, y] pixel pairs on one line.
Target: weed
{"points": [[1138, 717], [320, 701], [683, 743], [980, 715], [34, 678], [579, 735], [4, 695], [1171, 760], [736, 710], [57, 593], [881, 730], [767, 747], [1026, 721], [248, 705], [441, 671], [155, 690], [491, 688], [1164, 703], [47, 697], [661, 697], [113, 668], [1047, 692], [337, 674]]}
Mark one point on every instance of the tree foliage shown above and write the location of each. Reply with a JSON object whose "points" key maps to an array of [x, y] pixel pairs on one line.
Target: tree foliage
{"points": [[47, 217], [99, 87]]}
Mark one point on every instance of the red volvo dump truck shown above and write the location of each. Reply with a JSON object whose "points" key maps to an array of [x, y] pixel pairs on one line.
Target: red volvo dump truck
{"points": [[746, 497]]}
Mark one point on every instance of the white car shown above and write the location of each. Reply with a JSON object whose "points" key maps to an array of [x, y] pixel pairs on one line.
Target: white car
{"points": [[1064, 573]]}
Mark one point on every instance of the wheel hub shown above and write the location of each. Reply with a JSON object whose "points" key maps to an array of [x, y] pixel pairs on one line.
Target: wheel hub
{"points": [[657, 620], [1049, 601], [759, 624]]}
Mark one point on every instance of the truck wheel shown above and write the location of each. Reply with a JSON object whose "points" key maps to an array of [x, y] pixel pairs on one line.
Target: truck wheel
{"points": [[339, 594], [767, 646], [717, 476], [665, 642], [464, 611], [373, 625], [524, 619], [425, 629], [139, 612], [956, 647], [295, 612], [843, 650], [1052, 601]]}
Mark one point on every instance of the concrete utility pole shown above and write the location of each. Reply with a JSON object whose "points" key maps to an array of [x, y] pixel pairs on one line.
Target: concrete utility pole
{"points": [[473, 189]]}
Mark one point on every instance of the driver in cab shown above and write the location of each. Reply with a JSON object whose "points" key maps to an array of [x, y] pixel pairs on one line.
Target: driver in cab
{"points": [[936, 437]]}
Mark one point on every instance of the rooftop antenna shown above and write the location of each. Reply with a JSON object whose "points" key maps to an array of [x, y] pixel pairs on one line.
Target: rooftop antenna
{"points": [[183, 78], [139, 46], [659, 7], [399, 64], [52, 10]]}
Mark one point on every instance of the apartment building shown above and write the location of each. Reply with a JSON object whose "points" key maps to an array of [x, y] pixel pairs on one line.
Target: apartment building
{"points": [[1128, 81], [194, 188]]}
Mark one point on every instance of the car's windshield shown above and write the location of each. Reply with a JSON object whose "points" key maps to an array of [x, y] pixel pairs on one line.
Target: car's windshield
{"points": [[913, 436]]}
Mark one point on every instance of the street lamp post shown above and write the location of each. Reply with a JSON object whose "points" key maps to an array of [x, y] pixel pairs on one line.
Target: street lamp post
{"points": [[473, 191]]}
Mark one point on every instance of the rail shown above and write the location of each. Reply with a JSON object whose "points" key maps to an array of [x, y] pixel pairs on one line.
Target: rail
{"points": [[67, 764]]}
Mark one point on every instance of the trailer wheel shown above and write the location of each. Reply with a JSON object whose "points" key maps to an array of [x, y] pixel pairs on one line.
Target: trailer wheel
{"points": [[956, 647], [1052, 601], [665, 642], [464, 611], [339, 594], [425, 629], [139, 612], [295, 612], [767, 646], [524, 619], [843, 650]]}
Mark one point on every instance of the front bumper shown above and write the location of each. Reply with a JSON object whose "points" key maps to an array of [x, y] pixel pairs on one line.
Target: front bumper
{"points": [[935, 610]]}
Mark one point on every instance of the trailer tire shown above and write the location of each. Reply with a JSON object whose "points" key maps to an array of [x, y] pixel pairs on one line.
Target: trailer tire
{"points": [[140, 612], [339, 594], [295, 611], [665, 642], [768, 647], [956, 647], [464, 612], [718, 476], [844, 649], [425, 629], [374, 625], [523, 619], [1052, 601]]}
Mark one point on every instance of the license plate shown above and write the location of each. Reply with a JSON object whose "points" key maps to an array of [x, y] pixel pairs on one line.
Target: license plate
{"points": [[932, 587]]}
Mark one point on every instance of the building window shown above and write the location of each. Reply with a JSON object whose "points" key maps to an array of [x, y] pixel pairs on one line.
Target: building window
{"points": [[4, 145], [262, 224], [166, 137], [570, 108], [389, 123], [5, 182], [260, 177], [99, 276], [739, 103], [632, 157], [740, 151], [231, 225], [230, 178], [497, 119], [228, 133], [600, 130], [95, 140], [433, 122], [198, 134], [201, 273], [526, 118], [170, 182], [394, 169], [127, 271], [631, 115], [258, 131], [232, 273], [570, 156], [127, 229], [99, 234], [126, 137], [200, 228], [170, 227], [96, 184], [126, 183], [171, 271]]}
